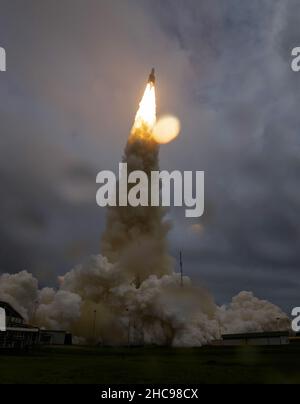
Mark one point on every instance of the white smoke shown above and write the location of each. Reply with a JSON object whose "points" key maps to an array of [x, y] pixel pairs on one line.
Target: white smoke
{"points": [[246, 313], [21, 291], [160, 311], [57, 310]]}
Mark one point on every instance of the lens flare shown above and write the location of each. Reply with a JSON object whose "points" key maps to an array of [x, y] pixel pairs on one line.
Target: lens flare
{"points": [[146, 115], [166, 129]]}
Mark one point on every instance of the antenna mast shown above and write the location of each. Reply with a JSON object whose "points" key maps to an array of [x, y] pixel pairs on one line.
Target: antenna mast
{"points": [[181, 270]]}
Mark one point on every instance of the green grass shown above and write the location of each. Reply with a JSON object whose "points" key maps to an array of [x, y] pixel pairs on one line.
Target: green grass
{"points": [[153, 365]]}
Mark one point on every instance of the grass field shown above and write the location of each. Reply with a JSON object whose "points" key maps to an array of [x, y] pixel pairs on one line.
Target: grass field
{"points": [[153, 365]]}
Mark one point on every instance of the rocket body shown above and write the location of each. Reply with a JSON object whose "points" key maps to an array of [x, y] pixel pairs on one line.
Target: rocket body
{"points": [[151, 79]]}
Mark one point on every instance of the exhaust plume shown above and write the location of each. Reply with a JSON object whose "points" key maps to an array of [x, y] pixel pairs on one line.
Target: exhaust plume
{"points": [[135, 233]]}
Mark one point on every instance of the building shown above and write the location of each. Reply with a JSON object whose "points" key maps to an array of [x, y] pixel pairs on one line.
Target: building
{"points": [[55, 337], [295, 338], [256, 339], [18, 334]]}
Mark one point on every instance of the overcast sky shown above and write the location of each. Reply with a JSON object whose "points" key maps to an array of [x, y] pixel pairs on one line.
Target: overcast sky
{"points": [[76, 70]]}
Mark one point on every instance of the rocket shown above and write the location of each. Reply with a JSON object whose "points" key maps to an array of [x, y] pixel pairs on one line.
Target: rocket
{"points": [[151, 79]]}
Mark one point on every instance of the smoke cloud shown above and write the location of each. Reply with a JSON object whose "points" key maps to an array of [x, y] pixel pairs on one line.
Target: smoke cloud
{"points": [[247, 313], [21, 291]]}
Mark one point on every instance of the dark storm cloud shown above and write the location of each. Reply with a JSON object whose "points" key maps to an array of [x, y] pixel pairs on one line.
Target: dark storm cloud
{"points": [[75, 74]]}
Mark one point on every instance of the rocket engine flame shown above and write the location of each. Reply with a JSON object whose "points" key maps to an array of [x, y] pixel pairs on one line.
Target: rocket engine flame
{"points": [[146, 114]]}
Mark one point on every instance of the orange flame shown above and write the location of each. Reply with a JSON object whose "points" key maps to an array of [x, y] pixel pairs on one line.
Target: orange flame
{"points": [[146, 115]]}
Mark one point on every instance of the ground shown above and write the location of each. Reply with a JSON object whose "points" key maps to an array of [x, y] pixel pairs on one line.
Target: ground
{"points": [[152, 365]]}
